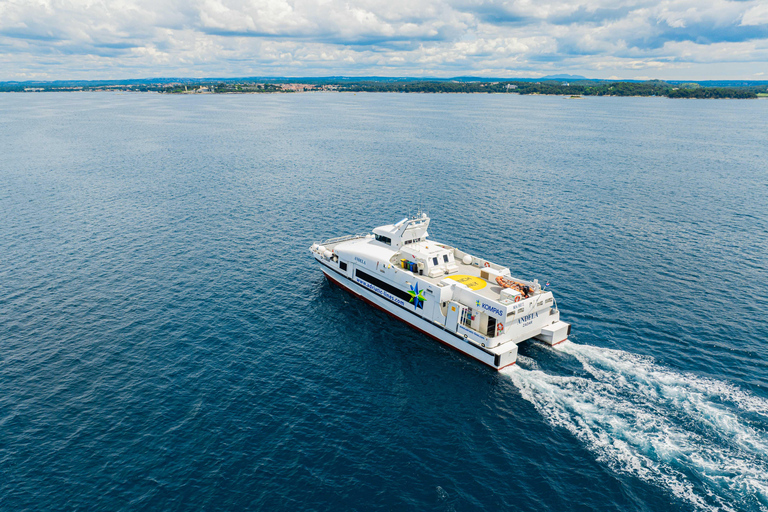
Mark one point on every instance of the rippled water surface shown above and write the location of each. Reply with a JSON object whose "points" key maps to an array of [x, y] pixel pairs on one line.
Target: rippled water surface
{"points": [[168, 343]]}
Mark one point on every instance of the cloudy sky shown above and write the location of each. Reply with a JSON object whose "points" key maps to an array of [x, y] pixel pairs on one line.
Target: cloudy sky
{"points": [[112, 39]]}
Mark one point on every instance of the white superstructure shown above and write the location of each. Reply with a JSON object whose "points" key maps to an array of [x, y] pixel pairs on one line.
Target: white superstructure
{"points": [[463, 301]]}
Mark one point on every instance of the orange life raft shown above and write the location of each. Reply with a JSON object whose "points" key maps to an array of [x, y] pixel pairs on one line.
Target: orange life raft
{"points": [[505, 282]]}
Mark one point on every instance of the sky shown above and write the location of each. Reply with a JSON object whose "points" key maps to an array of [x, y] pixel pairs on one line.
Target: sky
{"points": [[609, 39]]}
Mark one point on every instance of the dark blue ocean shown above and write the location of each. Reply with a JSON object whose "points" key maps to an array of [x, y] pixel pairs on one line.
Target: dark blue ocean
{"points": [[168, 343]]}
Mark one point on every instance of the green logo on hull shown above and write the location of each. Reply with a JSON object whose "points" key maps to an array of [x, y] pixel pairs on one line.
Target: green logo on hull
{"points": [[417, 299]]}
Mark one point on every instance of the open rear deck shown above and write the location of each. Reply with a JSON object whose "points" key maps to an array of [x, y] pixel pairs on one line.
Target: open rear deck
{"points": [[469, 275]]}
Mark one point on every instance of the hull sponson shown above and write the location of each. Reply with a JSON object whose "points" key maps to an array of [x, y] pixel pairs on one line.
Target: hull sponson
{"points": [[415, 321]]}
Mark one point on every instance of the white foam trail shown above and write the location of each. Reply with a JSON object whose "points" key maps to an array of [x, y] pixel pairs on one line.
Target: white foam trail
{"points": [[681, 431]]}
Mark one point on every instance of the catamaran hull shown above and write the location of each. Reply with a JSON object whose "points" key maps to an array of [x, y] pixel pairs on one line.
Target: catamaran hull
{"points": [[435, 331]]}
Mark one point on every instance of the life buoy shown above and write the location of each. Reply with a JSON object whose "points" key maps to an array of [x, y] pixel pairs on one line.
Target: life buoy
{"points": [[487, 264], [499, 328], [517, 299]]}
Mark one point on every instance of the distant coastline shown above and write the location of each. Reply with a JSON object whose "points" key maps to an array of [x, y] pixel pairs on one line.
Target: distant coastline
{"points": [[557, 87]]}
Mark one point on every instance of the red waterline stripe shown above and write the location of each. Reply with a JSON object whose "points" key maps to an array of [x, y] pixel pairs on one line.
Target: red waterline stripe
{"points": [[337, 283]]}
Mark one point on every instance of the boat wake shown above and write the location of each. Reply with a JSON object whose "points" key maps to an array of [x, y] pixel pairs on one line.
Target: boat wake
{"points": [[704, 440]]}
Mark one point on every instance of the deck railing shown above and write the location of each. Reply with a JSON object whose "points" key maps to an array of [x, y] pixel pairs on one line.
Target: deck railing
{"points": [[342, 239]]}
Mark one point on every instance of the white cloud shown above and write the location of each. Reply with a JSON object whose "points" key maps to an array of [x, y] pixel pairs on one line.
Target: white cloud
{"points": [[757, 15], [128, 38]]}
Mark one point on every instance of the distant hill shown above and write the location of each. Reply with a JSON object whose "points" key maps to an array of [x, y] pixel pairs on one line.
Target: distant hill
{"points": [[138, 82], [563, 77]]}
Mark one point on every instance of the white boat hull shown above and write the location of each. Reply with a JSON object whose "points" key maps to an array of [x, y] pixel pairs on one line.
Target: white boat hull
{"points": [[495, 359]]}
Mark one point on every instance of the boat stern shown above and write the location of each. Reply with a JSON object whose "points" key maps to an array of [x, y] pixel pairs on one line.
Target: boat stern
{"points": [[555, 333], [506, 357]]}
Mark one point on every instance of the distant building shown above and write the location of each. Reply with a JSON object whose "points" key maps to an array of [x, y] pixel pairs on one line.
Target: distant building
{"points": [[297, 87]]}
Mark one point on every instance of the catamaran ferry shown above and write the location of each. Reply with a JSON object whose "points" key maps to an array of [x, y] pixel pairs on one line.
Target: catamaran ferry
{"points": [[463, 301]]}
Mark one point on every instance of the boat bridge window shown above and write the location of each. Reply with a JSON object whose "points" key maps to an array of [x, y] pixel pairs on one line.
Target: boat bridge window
{"points": [[434, 260], [343, 265], [445, 258], [384, 239]]}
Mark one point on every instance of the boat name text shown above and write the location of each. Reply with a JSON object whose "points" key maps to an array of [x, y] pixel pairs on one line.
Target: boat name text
{"points": [[527, 319]]}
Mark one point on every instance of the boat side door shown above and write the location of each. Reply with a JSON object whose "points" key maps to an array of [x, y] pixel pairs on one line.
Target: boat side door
{"points": [[452, 318]]}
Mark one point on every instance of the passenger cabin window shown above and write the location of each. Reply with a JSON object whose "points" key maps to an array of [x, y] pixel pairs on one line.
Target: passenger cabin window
{"points": [[343, 265], [384, 239], [397, 292]]}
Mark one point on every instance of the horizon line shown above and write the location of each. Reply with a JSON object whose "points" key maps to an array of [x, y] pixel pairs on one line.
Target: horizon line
{"points": [[558, 76]]}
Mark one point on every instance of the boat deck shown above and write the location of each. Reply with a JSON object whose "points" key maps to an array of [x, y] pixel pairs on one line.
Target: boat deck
{"points": [[331, 243], [469, 275]]}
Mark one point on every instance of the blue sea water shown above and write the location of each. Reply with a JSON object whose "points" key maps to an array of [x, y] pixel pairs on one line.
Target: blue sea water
{"points": [[168, 343]]}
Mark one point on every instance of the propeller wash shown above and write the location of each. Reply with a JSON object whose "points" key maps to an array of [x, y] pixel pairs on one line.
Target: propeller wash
{"points": [[701, 439]]}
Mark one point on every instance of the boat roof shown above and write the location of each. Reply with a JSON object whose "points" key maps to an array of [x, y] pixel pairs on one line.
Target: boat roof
{"points": [[407, 231], [468, 275], [407, 240], [366, 248]]}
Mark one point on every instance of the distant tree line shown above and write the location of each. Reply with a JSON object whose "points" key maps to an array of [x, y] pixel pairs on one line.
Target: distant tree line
{"points": [[650, 88], [552, 87]]}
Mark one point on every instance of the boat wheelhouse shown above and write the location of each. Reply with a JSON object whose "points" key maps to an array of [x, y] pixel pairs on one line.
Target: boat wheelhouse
{"points": [[466, 302]]}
